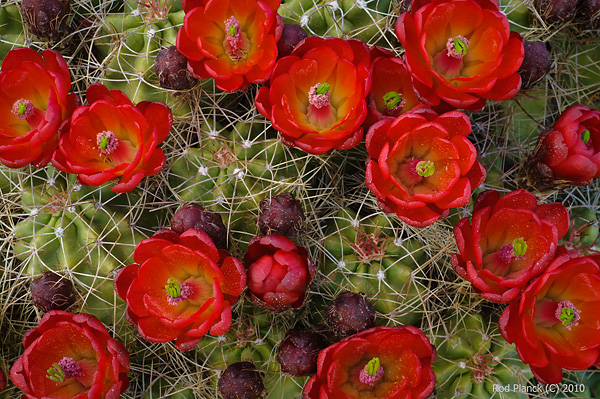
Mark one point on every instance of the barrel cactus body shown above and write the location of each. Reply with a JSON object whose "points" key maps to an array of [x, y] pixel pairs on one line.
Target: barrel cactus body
{"points": [[364, 20], [11, 30], [363, 255], [233, 169], [82, 231], [128, 42], [474, 361]]}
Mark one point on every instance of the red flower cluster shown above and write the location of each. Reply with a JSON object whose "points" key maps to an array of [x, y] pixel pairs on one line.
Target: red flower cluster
{"points": [[180, 288], [278, 272], [461, 52], [112, 138], [555, 324], [507, 242], [422, 164], [71, 356], [570, 151], [381, 362], [233, 42], [34, 103], [316, 95]]}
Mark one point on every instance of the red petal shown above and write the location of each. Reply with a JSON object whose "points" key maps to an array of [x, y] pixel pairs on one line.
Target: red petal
{"points": [[153, 330], [556, 214], [124, 278], [235, 276]]}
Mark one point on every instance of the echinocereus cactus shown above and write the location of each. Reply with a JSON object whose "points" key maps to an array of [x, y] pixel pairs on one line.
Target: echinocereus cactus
{"points": [[364, 20], [364, 255], [472, 359], [128, 43], [233, 169], [81, 231]]}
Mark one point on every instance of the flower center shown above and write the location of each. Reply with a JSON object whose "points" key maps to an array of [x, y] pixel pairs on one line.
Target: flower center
{"points": [[372, 372], [425, 168], [234, 40], [457, 47], [318, 95], [514, 251], [107, 142], [585, 136], [65, 368], [567, 314], [393, 103], [177, 292], [23, 109]]}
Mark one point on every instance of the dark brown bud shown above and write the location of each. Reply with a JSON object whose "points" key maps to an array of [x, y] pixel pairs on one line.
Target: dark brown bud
{"points": [[297, 353], [536, 64], [46, 19], [52, 292], [350, 313], [281, 214], [241, 380], [192, 216], [171, 68]]}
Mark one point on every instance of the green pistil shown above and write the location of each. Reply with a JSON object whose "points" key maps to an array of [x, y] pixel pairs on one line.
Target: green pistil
{"points": [[460, 47], [585, 136], [392, 99], [425, 168], [103, 143], [56, 373], [566, 316], [519, 247], [22, 108], [373, 366], [173, 288], [232, 30], [322, 89]]}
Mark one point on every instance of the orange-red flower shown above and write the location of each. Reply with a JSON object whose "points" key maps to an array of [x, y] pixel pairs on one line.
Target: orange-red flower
{"points": [[180, 288], [71, 356], [507, 242], [555, 324], [316, 95], [232, 41], [378, 363], [461, 52], [422, 164], [570, 151], [34, 103], [112, 138], [392, 92]]}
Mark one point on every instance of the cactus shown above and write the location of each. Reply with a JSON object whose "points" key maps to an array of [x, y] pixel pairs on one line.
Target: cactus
{"points": [[11, 30], [128, 43], [233, 169], [364, 20], [83, 231], [473, 360], [363, 255]]}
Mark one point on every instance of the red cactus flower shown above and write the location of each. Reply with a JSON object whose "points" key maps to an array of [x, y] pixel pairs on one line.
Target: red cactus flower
{"points": [[422, 164], [507, 242], [378, 363], [71, 356], [233, 42], [555, 324], [180, 288], [316, 95], [569, 153], [112, 138], [278, 272], [461, 52], [392, 92], [33, 105]]}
